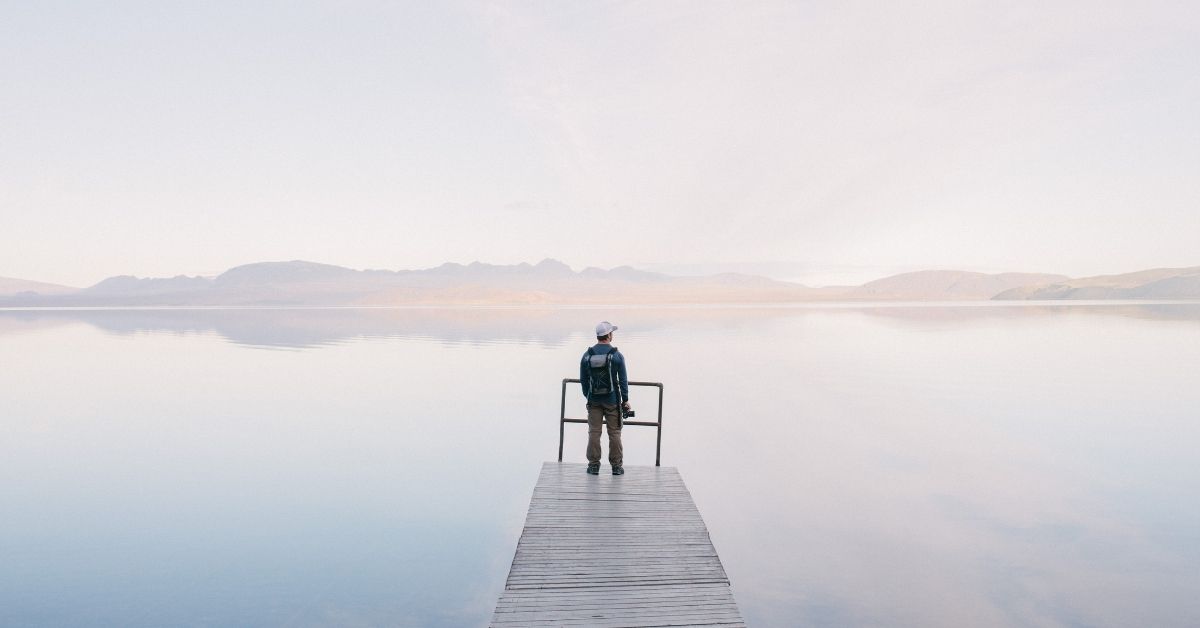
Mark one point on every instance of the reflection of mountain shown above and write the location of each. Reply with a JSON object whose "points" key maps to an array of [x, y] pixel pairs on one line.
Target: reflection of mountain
{"points": [[548, 326], [946, 316], [311, 327]]}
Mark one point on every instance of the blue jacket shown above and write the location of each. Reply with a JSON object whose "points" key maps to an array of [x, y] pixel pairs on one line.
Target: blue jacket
{"points": [[619, 367]]}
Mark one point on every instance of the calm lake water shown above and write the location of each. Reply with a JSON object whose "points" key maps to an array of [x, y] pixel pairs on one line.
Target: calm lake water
{"points": [[969, 465]]}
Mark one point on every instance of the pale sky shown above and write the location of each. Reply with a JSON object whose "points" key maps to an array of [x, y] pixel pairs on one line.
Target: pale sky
{"points": [[817, 141]]}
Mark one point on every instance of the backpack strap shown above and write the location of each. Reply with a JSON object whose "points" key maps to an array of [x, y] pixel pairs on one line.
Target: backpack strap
{"points": [[587, 362], [612, 373]]}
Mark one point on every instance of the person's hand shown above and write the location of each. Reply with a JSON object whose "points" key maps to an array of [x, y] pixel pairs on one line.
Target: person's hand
{"points": [[625, 405]]}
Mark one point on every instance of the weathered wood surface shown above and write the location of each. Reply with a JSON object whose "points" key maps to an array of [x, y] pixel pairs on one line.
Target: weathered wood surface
{"points": [[615, 551]]}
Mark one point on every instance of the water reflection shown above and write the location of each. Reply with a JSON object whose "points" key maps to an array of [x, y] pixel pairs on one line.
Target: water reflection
{"points": [[303, 328], [898, 466]]}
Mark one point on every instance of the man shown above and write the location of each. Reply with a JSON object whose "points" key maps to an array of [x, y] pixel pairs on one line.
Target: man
{"points": [[602, 373]]}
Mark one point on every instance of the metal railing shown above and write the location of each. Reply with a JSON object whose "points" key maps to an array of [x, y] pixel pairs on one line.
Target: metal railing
{"points": [[563, 419]]}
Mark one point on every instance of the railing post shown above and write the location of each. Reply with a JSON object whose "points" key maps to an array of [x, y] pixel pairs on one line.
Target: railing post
{"points": [[658, 445], [562, 418]]}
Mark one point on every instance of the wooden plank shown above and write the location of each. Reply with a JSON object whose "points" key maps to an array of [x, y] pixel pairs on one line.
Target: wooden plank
{"points": [[615, 551]]}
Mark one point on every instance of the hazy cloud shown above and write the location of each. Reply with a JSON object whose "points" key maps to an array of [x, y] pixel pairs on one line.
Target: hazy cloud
{"points": [[1021, 136]]}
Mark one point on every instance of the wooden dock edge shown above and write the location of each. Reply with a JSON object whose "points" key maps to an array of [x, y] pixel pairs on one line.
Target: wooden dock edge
{"points": [[615, 551]]}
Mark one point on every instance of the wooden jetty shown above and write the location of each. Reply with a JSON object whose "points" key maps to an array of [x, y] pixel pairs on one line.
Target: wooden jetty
{"points": [[615, 551]]}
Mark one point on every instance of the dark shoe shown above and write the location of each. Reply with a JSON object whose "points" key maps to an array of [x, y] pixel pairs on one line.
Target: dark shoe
{"points": [[618, 470], [594, 468]]}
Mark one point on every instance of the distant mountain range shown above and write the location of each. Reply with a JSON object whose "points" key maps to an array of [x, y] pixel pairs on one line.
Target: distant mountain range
{"points": [[550, 282], [1158, 283]]}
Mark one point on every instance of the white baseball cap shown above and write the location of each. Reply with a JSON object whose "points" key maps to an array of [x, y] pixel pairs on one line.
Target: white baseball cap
{"points": [[605, 328]]}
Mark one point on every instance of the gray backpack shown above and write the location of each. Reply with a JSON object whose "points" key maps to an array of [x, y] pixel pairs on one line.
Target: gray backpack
{"points": [[602, 378]]}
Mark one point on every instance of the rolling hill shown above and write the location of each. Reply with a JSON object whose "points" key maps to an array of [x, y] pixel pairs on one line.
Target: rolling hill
{"points": [[1157, 283], [13, 287]]}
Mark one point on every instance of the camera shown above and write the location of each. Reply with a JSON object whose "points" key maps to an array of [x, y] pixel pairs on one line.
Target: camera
{"points": [[627, 413]]}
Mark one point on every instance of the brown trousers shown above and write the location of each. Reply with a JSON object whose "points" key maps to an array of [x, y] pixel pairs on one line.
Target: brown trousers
{"points": [[600, 414]]}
